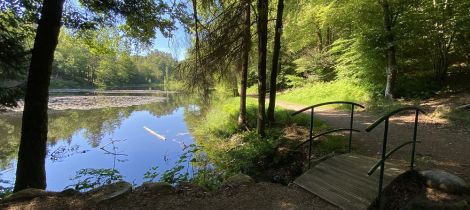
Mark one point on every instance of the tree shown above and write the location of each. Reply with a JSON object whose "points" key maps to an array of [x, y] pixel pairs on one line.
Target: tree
{"points": [[143, 16], [276, 65], [31, 156], [262, 26], [390, 51], [242, 118]]}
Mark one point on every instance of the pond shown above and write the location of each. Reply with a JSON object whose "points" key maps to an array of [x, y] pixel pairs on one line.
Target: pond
{"points": [[138, 143]]}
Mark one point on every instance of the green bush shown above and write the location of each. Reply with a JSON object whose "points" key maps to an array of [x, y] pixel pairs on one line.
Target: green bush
{"points": [[232, 149]]}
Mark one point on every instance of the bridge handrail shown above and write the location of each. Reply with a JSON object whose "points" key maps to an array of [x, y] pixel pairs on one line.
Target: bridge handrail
{"points": [[388, 115], [312, 108], [326, 103], [385, 155], [327, 132], [378, 163]]}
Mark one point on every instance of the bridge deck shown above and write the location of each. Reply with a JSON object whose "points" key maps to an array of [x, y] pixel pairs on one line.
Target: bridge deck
{"points": [[343, 181]]}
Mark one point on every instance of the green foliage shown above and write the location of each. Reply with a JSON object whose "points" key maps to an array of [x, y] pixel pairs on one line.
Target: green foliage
{"points": [[103, 58], [64, 84], [175, 175], [90, 178], [151, 174], [232, 149]]}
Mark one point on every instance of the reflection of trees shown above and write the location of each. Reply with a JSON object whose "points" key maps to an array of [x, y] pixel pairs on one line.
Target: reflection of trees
{"points": [[9, 140], [94, 124]]}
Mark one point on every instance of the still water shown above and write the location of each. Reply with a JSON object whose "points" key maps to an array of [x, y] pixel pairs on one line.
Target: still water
{"points": [[131, 140]]}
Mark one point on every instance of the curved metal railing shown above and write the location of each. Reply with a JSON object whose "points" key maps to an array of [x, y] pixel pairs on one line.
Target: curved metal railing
{"points": [[385, 155], [311, 137]]}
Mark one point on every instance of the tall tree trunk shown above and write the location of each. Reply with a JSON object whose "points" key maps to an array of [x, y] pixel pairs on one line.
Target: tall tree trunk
{"points": [[276, 65], [242, 119], [262, 25], [30, 171], [390, 51]]}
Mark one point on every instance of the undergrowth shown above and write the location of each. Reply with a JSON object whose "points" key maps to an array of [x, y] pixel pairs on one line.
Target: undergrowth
{"points": [[233, 149], [326, 91]]}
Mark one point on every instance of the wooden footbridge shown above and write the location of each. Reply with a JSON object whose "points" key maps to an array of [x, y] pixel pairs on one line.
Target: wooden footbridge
{"points": [[348, 180]]}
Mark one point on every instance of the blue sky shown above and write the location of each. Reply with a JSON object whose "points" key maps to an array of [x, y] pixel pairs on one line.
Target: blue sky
{"points": [[176, 46]]}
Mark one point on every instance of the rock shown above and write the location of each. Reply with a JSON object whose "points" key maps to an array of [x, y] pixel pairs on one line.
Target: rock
{"points": [[239, 180], [444, 181], [26, 194], [159, 188], [109, 192], [423, 203]]}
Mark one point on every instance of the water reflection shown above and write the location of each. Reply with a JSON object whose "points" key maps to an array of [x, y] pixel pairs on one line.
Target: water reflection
{"points": [[111, 141]]}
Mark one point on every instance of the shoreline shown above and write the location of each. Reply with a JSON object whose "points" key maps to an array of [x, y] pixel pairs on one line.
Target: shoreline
{"points": [[90, 102]]}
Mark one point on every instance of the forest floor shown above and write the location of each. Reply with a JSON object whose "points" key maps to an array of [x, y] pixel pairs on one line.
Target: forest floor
{"points": [[257, 196], [445, 143]]}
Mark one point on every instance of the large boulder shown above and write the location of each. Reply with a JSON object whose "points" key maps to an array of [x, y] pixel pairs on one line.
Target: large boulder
{"points": [[444, 181], [109, 192], [159, 188], [433, 202], [238, 180], [26, 194]]}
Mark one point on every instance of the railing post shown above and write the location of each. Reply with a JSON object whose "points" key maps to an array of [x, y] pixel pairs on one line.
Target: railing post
{"points": [[382, 165], [310, 138], [413, 147], [350, 127]]}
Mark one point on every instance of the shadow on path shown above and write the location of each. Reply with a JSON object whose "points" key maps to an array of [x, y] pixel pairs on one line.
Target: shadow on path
{"points": [[442, 147]]}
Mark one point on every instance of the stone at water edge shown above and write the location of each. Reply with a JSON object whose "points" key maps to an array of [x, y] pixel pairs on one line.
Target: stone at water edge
{"points": [[109, 192], [159, 188], [26, 194], [444, 181], [239, 180]]}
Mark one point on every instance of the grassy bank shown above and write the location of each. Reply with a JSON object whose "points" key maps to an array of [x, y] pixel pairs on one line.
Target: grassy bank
{"points": [[233, 150], [326, 91]]}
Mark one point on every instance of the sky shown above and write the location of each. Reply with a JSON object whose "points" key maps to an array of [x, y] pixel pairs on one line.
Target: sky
{"points": [[179, 43], [176, 46]]}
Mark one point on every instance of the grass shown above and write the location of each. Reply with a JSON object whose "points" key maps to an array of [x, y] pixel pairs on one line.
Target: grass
{"points": [[326, 91], [234, 150], [252, 90]]}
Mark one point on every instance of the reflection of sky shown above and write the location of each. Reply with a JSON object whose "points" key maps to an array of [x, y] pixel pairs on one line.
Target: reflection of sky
{"points": [[142, 150]]}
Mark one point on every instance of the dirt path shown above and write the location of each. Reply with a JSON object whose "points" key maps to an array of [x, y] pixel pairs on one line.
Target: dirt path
{"points": [[257, 196], [443, 147]]}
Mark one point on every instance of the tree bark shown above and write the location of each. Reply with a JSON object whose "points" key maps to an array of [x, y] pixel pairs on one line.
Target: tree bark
{"points": [[275, 65], [262, 25], [30, 170], [196, 34], [391, 68], [242, 119]]}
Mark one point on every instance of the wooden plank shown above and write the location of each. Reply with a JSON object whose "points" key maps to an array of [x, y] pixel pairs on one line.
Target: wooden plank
{"points": [[343, 180], [349, 186], [330, 195]]}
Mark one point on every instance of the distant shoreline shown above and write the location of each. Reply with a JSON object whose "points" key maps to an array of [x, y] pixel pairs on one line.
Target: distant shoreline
{"points": [[98, 91], [91, 102]]}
